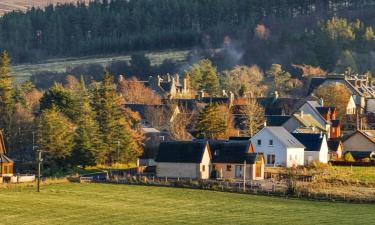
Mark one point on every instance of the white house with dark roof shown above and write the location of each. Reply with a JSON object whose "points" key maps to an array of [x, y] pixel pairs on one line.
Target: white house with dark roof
{"points": [[279, 147], [316, 147]]}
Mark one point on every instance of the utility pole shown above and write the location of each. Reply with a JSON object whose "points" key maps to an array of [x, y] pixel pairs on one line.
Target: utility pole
{"points": [[244, 176], [40, 160]]}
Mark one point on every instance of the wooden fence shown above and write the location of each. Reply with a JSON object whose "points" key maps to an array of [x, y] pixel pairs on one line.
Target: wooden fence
{"points": [[251, 187], [344, 163]]}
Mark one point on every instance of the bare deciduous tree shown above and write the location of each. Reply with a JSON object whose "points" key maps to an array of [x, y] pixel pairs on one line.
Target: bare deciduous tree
{"points": [[254, 116]]}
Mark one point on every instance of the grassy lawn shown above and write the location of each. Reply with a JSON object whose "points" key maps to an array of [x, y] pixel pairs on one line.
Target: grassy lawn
{"points": [[123, 204], [364, 174]]}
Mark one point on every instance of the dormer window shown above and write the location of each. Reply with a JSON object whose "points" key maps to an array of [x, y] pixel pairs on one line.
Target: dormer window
{"points": [[259, 142]]}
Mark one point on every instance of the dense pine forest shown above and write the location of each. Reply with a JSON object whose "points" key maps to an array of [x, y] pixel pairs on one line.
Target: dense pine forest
{"points": [[255, 31]]}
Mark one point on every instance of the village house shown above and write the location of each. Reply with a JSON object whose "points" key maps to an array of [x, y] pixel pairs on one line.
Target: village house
{"points": [[359, 85], [229, 158], [6, 164], [183, 159], [310, 107], [300, 122], [335, 148], [279, 147], [316, 147], [360, 140]]}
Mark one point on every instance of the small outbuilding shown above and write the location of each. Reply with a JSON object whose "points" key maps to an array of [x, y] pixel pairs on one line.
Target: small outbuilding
{"points": [[183, 159], [6, 164]]}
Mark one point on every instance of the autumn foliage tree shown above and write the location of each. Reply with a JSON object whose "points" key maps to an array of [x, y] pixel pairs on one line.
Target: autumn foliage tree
{"points": [[334, 94], [135, 91]]}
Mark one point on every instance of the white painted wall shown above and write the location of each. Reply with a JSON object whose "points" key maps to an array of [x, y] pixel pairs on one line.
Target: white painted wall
{"points": [[278, 149], [206, 162], [351, 107], [283, 156], [295, 157], [370, 105]]}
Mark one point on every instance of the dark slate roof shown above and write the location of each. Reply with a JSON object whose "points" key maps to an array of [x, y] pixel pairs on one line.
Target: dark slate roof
{"points": [[239, 138], [231, 152], [315, 83], [142, 109], [335, 123], [167, 86], [333, 144], [323, 110], [181, 151], [358, 155], [279, 106], [5, 159], [276, 120], [219, 100], [184, 104], [312, 142]]}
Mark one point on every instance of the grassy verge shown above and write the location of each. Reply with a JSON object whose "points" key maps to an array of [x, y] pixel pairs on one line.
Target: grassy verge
{"points": [[127, 204]]}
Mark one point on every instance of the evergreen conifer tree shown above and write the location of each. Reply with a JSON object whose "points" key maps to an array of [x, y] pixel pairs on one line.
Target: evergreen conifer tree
{"points": [[6, 94], [211, 124], [120, 146], [87, 141]]}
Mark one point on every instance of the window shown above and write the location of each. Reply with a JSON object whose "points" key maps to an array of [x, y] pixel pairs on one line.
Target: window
{"points": [[270, 142], [203, 168], [238, 172], [229, 168], [5, 169], [161, 138], [259, 142], [271, 159], [290, 157]]}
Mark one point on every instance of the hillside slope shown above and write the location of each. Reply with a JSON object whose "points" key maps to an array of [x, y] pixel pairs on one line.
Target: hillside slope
{"points": [[10, 5]]}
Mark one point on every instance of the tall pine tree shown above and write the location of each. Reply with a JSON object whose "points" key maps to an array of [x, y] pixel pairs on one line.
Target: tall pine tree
{"points": [[6, 94], [119, 144], [87, 140]]}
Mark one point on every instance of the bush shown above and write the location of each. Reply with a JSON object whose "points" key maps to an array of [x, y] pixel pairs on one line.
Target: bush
{"points": [[348, 157]]}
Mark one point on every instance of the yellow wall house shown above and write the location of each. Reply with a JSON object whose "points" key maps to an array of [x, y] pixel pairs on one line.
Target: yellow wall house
{"points": [[6, 164], [230, 157], [183, 159]]}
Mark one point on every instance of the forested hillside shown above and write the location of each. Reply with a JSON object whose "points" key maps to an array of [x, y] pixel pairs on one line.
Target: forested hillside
{"points": [[252, 31]]}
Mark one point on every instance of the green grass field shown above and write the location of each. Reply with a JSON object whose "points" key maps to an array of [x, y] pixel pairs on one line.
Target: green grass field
{"points": [[123, 204], [23, 71]]}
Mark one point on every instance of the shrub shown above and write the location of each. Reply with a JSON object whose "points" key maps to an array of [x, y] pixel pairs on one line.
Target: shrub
{"points": [[348, 157]]}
